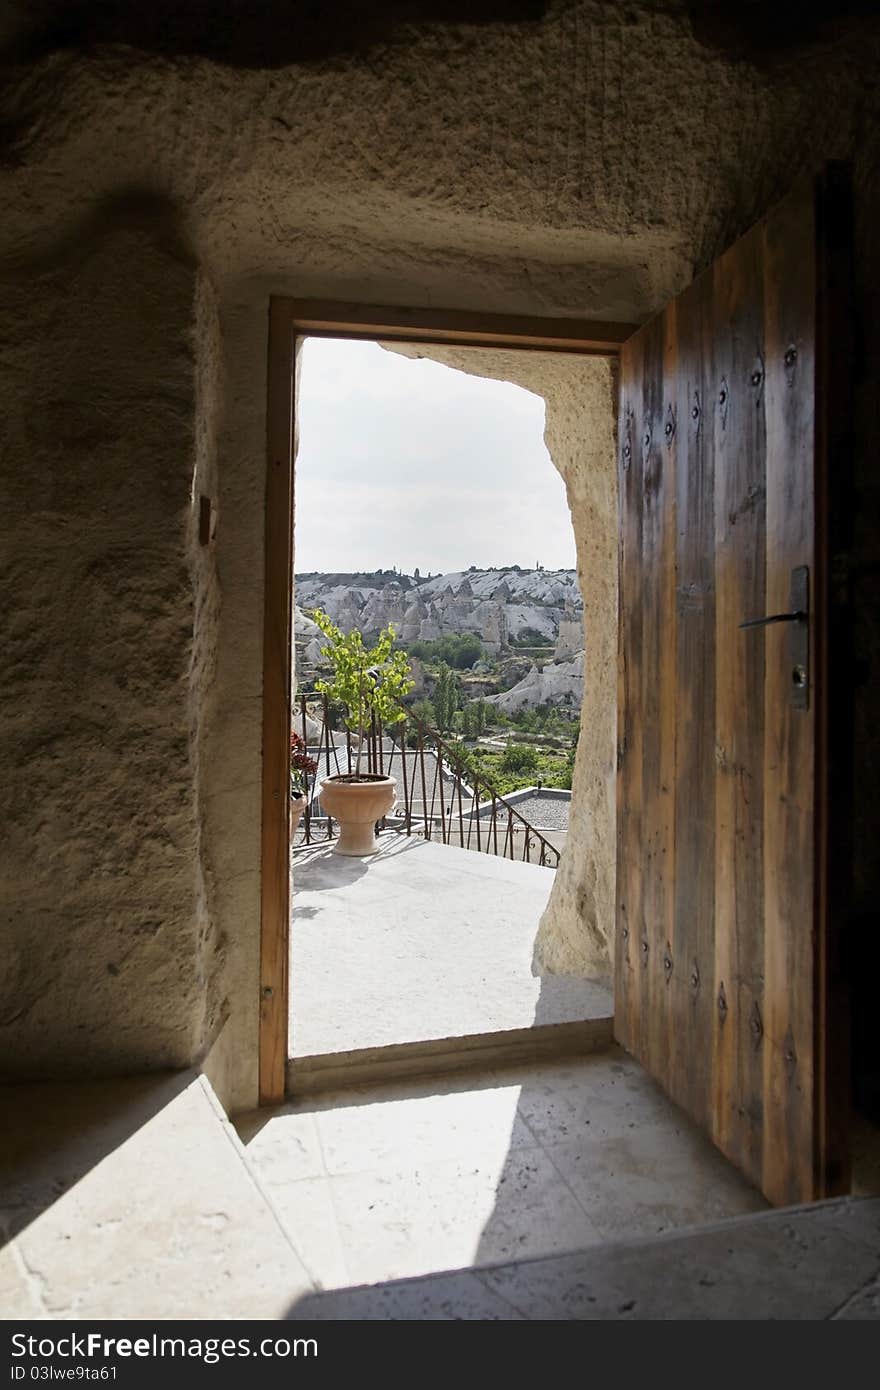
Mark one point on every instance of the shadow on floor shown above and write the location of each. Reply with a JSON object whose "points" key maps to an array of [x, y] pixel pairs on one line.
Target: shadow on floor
{"points": [[345, 868], [56, 1132], [591, 1153]]}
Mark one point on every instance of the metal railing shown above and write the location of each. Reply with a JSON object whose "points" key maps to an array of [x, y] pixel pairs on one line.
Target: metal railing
{"points": [[444, 798]]}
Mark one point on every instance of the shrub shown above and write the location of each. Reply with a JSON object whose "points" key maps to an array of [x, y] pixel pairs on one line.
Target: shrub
{"points": [[519, 759], [460, 650]]}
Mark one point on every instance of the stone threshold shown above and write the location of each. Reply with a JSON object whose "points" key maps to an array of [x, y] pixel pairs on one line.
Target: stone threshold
{"points": [[333, 1071]]}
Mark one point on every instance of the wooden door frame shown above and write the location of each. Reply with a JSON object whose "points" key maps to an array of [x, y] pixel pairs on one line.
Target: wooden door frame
{"points": [[290, 319]]}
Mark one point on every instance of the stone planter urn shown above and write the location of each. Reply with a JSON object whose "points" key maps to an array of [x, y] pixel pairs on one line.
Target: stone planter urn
{"points": [[356, 803], [297, 806]]}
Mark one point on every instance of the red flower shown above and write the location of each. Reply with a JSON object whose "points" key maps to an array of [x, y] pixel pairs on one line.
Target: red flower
{"points": [[301, 765]]}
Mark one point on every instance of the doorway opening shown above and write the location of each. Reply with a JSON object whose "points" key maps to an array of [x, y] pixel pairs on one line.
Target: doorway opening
{"points": [[413, 483], [467, 1168]]}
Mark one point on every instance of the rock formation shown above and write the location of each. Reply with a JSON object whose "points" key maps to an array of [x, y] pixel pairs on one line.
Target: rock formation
{"points": [[496, 606], [560, 684], [570, 637]]}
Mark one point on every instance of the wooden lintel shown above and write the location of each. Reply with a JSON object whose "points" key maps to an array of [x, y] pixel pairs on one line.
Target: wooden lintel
{"points": [[325, 318]]}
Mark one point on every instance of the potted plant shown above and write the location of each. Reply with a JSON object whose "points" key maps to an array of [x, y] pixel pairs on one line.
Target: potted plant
{"points": [[302, 767], [368, 682]]}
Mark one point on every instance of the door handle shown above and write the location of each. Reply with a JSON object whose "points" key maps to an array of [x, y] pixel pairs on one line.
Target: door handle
{"points": [[799, 637], [798, 616]]}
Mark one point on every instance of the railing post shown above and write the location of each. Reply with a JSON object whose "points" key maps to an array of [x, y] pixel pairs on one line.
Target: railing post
{"points": [[403, 758], [326, 707], [378, 758], [459, 778], [307, 813], [424, 788], [434, 785], [443, 838]]}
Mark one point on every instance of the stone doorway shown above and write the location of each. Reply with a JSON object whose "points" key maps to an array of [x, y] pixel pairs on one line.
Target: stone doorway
{"points": [[575, 910]]}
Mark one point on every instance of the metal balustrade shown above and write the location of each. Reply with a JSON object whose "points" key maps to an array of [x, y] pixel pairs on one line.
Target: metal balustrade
{"points": [[441, 797]]}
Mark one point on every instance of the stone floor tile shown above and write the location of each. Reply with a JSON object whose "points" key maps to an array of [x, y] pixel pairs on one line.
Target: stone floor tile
{"points": [[648, 1181], [306, 1210], [473, 1119], [454, 1213], [283, 1147]]}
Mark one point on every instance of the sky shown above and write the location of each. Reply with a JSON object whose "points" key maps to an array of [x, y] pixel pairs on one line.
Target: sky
{"points": [[412, 464]]}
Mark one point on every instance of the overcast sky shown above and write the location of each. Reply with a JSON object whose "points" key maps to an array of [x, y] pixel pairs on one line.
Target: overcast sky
{"points": [[411, 463]]}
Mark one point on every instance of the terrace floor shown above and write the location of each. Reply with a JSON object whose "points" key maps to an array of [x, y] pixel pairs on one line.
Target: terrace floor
{"points": [[423, 942]]}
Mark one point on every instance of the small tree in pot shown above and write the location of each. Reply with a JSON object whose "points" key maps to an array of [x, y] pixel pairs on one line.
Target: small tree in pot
{"points": [[368, 682]]}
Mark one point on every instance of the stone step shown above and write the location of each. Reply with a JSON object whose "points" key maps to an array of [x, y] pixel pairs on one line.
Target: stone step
{"points": [[812, 1262]]}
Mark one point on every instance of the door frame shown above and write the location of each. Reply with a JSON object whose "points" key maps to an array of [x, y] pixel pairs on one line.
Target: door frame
{"points": [[290, 319]]}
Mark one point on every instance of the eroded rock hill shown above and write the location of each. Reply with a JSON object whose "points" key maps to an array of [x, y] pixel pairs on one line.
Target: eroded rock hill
{"points": [[499, 606]]}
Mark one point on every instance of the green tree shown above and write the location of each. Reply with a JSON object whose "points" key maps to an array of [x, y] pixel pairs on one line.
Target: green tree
{"points": [[366, 680], [424, 710], [464, 762], [446, 697], [474, 718], [466, 651], [527, 720]]}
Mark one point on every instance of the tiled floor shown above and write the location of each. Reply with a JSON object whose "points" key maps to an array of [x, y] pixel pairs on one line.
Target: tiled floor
{"points": [[421, 942], [135, 1198], [132, 1198], [402, 1180]]}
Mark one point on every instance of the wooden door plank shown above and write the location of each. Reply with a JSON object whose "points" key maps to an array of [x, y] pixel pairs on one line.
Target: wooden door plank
{"points": [[629, 968], [739, 536], [834, 670], [657, 705], [693, 964], [789, 907], [667, 1022]]}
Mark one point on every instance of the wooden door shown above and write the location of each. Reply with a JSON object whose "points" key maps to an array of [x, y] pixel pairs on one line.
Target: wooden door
{"points": [[727, 900]]}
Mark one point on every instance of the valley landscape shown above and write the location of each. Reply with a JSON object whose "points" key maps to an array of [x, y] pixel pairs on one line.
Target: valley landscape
{"points": [[497, 657]]}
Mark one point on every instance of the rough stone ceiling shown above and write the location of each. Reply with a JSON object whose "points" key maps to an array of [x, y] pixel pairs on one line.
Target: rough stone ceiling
{"points": [[243, 33], [277, 33], [583, 154]]}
